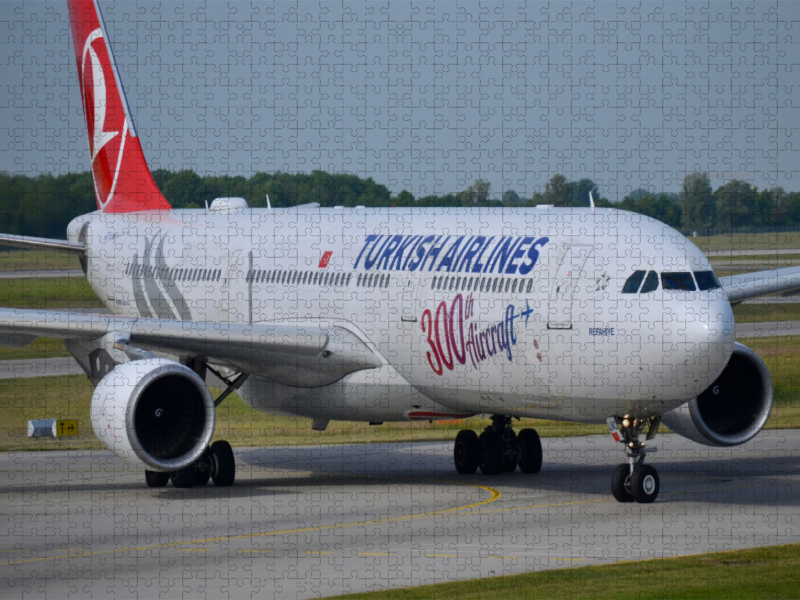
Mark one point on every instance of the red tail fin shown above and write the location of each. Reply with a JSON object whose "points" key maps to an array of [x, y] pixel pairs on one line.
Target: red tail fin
{"points": [[122, 181]]}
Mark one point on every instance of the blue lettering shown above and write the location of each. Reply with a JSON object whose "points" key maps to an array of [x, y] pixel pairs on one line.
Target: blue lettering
{"points": [[512, 268], [421, 252], [368, 241], [397, 259], [433, 253], [370, 259], [450, 255], [394, 242], [478, 267], [533, 256], [470, 250]]}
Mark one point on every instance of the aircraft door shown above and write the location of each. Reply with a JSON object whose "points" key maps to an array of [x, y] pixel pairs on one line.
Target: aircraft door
{"points": [[408, 314], [563, 290], [235, 296]]}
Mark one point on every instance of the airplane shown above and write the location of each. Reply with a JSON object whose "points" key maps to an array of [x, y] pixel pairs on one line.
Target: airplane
{"points": [[591, 315]]}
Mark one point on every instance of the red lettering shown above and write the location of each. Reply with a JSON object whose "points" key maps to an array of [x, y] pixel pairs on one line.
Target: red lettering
{"points": [[442, 310], [437, 367], [460, 354]]}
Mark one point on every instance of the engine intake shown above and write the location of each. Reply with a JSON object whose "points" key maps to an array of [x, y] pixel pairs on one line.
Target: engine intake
{"points": [[154, 411], [734, 409]]}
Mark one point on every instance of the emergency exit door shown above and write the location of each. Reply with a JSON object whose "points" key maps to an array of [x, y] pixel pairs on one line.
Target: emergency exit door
{"points": [[563, 290]]}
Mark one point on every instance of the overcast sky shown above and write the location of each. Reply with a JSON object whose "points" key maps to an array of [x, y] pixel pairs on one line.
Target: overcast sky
{"points": [[423, 96]]}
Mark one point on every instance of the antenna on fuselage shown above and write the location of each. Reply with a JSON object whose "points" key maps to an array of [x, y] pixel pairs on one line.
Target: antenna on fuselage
{"points": [[269, 206], [591, 200]]}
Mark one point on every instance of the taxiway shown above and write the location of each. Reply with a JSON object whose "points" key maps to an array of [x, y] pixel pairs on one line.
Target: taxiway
{"points": [[309, 522]]}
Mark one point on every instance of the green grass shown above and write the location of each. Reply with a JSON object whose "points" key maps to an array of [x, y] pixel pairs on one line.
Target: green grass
{"points": [[772, 572], [41, 348], [60, 292], [748, 241], [759, 313], [69, 397], [24, 260]]}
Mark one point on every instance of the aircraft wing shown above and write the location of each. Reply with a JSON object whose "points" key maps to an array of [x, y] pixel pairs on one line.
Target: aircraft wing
{"points": [[37, 243], [760, 283], [304, 354]]}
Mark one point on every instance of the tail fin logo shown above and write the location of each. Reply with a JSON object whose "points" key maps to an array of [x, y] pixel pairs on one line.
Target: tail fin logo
{"points": [[95, 81], [122, 179]]}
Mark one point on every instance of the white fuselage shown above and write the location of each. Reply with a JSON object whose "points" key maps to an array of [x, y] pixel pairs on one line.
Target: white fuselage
{"points": [[503, 311]]}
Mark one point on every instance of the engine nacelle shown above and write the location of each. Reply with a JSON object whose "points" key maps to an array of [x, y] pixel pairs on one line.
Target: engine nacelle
{"points": [[734, 409], [154, 411]]}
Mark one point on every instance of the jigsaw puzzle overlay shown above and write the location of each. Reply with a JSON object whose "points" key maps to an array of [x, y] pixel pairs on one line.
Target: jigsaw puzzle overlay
{"points": [[423, 259]]}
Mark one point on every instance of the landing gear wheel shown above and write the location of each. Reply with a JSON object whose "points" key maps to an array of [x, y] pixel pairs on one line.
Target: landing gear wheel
{"points": [[223, 466], [466, 452], [618, 487], [511, 452], [645, 484], [490, 458], [156, 479], [530, 451], [203, 470], [184, 478]]}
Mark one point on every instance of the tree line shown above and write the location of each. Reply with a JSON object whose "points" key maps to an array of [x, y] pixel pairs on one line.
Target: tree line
{"points": [[43, 205]]}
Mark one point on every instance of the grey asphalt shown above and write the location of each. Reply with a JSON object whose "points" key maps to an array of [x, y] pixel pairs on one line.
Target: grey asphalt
{"points": [[317, 521]]}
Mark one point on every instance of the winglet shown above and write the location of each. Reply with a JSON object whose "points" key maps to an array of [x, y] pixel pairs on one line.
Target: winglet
{"points": [[122, 180]]}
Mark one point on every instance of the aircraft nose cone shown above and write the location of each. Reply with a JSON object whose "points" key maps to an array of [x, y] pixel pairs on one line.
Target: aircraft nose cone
{"points": [[709, 341]]}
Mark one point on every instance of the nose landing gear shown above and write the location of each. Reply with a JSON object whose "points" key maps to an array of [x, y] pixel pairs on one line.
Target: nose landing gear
{"points": [[634, 480]]}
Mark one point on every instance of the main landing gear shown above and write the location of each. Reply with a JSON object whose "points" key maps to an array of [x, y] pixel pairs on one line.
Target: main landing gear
{"points": [[498, 449], [634, 480], [216, 463]]}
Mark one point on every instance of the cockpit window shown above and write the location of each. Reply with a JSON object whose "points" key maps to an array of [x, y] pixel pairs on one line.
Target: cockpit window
{"points": [[678, 281], [651, 283], [707, 280], [632, 284]]}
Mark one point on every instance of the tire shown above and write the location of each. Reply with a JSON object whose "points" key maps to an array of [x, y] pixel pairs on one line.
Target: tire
{"points": [[466, 452], [223, 465], [490, 458], [156, 479], [530, 451], [203, 474], [185, 478], [511, 453], [618, 489], [645, 484]]}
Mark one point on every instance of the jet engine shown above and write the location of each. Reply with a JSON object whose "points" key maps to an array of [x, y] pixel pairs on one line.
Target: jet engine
{"points": [[154, 411], [733, 410]]}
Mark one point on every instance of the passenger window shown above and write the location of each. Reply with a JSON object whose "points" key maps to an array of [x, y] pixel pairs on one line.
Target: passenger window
{"points": [[530, 285], [514, 287], [707, 280], [633, 283], [508, 285], [678, 281], [650, 284], [358, 280]]}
